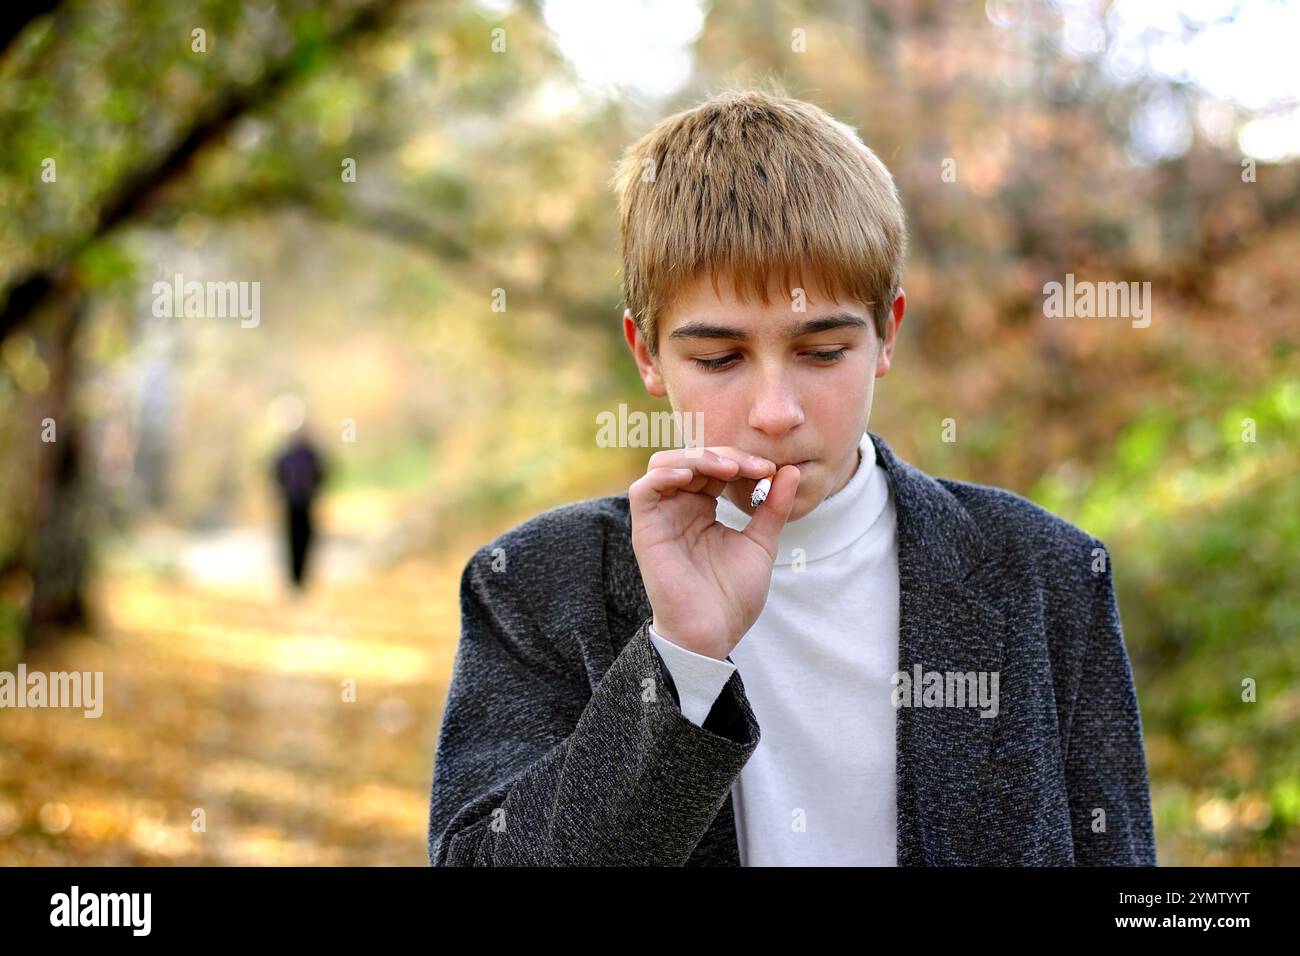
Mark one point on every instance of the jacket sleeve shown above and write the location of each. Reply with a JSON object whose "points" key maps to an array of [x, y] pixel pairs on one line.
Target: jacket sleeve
{"points": [[535, 767], [1105, 762]]}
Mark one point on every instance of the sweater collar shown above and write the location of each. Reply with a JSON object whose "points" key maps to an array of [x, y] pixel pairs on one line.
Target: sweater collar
{"points": [[836, 522]]}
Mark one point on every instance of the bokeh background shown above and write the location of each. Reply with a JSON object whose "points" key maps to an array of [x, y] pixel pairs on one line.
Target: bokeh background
{"points": [[1139, 140]]}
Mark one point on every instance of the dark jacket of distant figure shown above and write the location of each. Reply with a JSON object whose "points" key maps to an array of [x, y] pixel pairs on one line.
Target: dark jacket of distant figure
{"points": [[562, 741], [299, 473]]}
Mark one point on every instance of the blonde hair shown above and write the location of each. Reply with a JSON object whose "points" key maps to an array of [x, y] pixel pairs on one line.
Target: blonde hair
{"points": [[754, 184]]}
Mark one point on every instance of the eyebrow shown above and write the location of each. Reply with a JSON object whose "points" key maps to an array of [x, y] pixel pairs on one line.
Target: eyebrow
{"points": [[711, 330]]}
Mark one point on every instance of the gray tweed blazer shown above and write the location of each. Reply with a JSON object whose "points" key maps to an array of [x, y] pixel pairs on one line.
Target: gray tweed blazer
{"points": [[562, 742]]}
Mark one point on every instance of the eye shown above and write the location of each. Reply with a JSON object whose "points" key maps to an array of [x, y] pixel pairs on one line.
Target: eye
{"points": [[725, 361], [714, 363]]}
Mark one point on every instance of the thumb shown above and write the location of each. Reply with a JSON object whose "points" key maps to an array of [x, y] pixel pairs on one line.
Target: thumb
{"points": [[765, 526]]}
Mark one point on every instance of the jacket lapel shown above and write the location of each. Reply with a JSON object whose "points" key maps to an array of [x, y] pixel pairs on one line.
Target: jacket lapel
{"points": [[947, 625]]}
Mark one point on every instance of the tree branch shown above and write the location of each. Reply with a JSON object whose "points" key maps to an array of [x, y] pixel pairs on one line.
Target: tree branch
{"points": [[140, 190]]}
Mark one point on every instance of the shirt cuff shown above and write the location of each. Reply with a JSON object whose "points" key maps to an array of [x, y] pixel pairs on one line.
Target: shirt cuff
{"points": [[699, 678]]}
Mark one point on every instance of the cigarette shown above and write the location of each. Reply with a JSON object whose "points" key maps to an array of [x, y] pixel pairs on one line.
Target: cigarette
{"points": [[760, 492]]}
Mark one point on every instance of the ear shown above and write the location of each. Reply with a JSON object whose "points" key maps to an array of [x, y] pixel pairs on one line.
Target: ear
{"points": [[646, 365], [886, 354]]}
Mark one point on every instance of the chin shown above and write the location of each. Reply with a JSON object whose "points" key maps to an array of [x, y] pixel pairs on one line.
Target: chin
{"points": [[801, 506]]}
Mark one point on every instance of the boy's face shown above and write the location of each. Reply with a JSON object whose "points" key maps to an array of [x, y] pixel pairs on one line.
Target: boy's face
{"points": [[771, 394]]}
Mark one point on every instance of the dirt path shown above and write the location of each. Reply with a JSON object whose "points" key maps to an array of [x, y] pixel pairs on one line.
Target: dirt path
{"points": [[231, 700]]}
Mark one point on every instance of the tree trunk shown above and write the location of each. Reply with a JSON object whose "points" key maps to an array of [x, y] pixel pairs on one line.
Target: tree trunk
{"points": [[59, 549]]}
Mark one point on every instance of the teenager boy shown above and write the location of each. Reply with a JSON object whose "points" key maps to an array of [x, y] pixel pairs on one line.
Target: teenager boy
{"points": [[933, 671]]}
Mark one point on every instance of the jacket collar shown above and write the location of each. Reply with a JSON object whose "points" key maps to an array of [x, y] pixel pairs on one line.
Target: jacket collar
{"points": [[946, 624]]}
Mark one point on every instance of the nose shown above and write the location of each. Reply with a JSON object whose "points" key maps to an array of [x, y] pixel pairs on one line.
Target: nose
{"points": [[776, 408]]}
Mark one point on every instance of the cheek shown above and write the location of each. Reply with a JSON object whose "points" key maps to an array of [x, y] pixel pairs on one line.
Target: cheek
{"points": [[722, 415], [841, 392]]}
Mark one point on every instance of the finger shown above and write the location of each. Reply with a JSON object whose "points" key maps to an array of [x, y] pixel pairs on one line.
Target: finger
{"points": [[704, 485], [659, 483], [707, 461], [771, 516], [751, 466], [748, 466]]}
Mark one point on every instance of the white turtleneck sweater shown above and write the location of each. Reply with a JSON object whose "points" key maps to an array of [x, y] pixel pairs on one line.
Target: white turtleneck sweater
{"points": [[819, 789]]}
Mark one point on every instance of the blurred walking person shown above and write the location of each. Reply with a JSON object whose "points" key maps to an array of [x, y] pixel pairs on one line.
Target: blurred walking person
{"points": [[300, 472]]}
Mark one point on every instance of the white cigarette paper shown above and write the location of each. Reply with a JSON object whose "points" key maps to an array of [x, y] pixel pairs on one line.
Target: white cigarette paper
{"points": [[760, 492]]}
